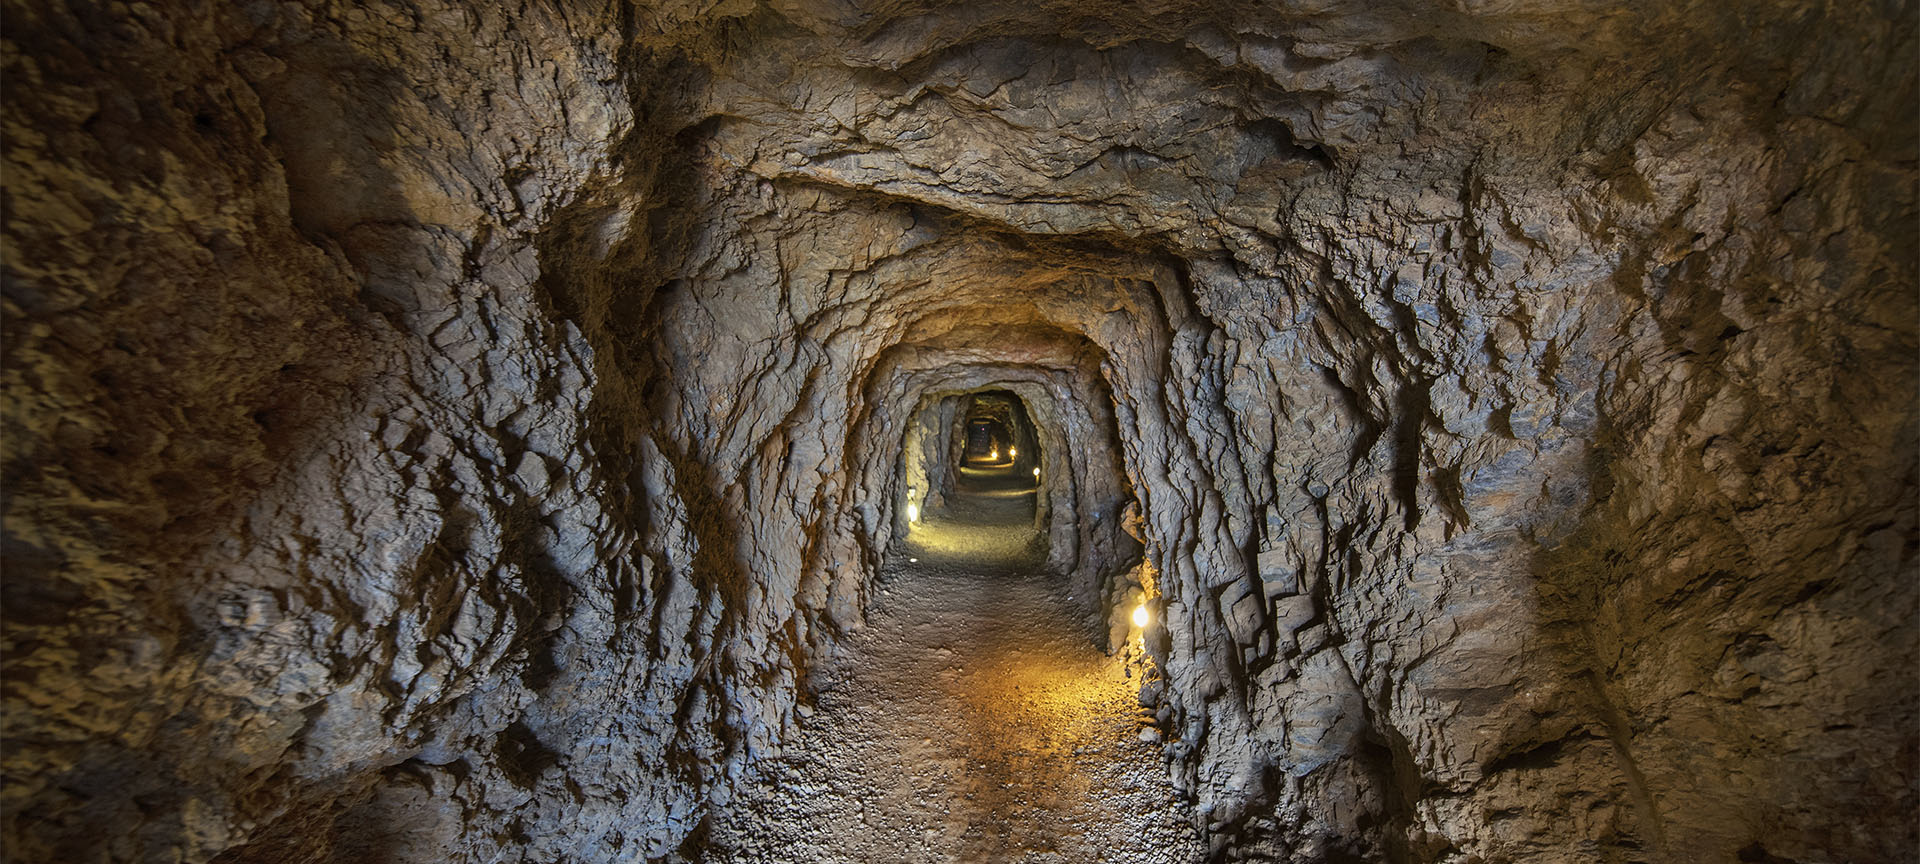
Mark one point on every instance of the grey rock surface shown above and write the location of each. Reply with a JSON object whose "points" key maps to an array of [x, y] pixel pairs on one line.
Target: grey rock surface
{"points": [[457, 431]]}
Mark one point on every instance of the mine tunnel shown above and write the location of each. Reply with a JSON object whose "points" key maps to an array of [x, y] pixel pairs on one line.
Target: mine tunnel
{"points": [[646, 431]]}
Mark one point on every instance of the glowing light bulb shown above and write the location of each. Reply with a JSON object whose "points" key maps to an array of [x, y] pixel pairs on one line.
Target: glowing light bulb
{"points": [[1140, 615], [1036, 473], [994, 453], [1013, 452], [913, 513]]}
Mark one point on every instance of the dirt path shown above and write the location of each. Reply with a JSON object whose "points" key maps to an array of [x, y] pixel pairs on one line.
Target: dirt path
{"points": [[972, 721]]}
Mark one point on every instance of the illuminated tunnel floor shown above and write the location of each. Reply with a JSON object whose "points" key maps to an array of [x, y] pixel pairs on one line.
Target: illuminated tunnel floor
{"points": [[973, 720], [987, 527]]}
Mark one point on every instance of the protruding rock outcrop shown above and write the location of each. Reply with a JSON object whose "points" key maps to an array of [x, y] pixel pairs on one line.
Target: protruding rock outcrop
{"points": [[457, 430]]}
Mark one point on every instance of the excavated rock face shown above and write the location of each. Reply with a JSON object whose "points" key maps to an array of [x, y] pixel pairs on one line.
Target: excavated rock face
{"points": [[440, 430]]}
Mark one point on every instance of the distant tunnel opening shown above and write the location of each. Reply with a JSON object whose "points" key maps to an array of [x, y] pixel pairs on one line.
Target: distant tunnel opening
{"points": [[1021, 467], [997, 452], [978, 458]]}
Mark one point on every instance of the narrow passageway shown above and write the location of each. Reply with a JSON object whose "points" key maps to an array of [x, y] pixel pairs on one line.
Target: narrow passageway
{"points": [[973, 720], [465, 432]]}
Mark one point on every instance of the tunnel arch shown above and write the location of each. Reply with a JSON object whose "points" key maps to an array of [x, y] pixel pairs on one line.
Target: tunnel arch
{"points": [[1126, 319], [1084, 488]]}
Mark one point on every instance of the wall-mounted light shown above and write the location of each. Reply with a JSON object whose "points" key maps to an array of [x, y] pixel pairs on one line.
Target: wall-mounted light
{"points": [[994, 454], [1140, 616], [1036, 473], [1013, 452]]}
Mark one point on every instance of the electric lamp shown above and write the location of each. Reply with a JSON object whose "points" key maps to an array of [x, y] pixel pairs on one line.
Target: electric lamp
{"points": [[1140, 617]]}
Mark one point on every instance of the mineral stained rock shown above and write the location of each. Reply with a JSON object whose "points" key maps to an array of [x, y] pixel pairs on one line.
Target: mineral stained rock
{"points": [[455, 431]]}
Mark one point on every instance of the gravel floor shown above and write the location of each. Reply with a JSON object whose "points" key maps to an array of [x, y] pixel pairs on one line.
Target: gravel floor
{"points": [[973, 720]]}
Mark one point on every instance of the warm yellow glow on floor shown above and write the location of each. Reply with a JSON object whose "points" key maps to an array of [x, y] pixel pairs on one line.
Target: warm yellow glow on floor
{"points": [[938, 538], [975, 711]]}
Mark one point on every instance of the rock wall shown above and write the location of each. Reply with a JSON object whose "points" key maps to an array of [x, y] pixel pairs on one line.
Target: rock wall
{"points": [[318, 540], [454, 430]]}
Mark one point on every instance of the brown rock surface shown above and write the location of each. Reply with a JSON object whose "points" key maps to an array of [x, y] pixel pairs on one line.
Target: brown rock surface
{"points": [[458, 431]]}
